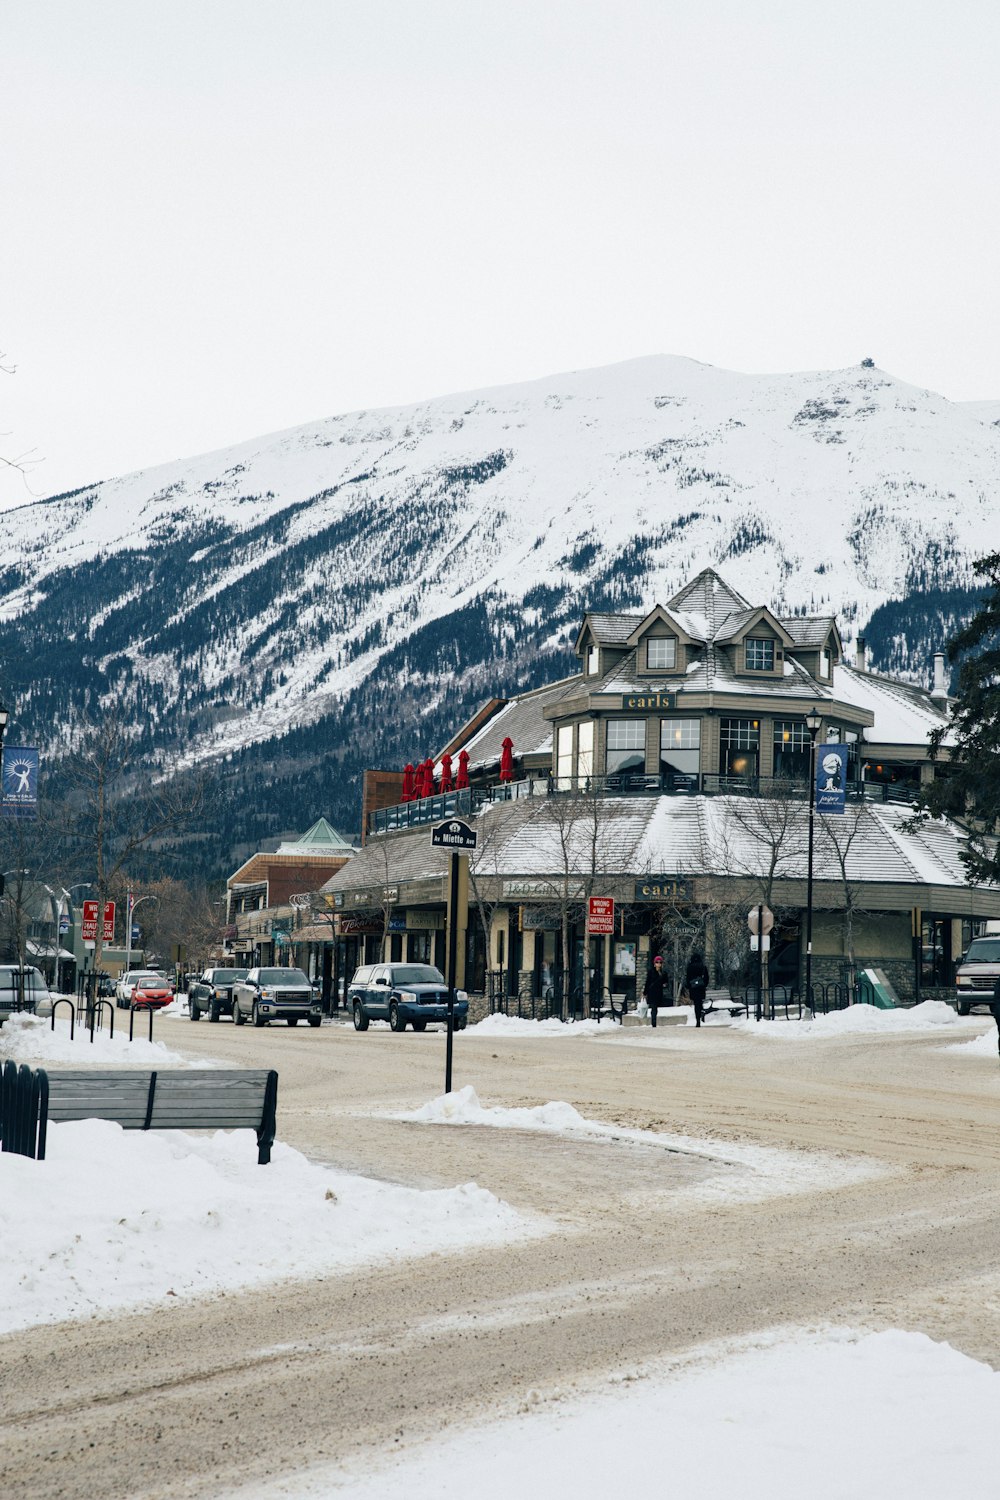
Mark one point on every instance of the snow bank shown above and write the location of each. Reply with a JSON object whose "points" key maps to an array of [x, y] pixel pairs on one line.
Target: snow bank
{"points": [[931, 1015], [743, 1172], [114, 1219], [984, 1045], [831, 1415], [514, 1026], [30, 1039]]}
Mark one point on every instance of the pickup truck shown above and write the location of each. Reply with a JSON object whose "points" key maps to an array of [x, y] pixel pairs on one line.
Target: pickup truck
{"points": [[212, 994]]}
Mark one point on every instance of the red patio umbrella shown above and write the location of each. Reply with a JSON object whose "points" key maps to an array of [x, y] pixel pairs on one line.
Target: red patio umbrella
{"points": [[447, 781], [462, 779], [427, 787], [408, 792], [507, 759]]}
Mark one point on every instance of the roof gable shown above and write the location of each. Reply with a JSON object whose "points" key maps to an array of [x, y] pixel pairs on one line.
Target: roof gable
{"points": [[660, 616], [742, 621], [708, 595]]}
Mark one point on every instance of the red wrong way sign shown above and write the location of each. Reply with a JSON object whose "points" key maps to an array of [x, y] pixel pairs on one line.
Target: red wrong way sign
{"points": [[601, 915]]}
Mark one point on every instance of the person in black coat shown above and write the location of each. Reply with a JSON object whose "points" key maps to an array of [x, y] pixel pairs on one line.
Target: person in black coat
{"points": [[696, 984], [995, 1007], [654, 991]]}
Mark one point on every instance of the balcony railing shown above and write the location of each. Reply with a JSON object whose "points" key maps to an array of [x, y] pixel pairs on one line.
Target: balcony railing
{"points": [[619, 784]]}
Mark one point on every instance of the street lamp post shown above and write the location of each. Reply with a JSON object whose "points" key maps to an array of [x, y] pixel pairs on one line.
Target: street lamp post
{"points": [[813, 722], [130, 908]]}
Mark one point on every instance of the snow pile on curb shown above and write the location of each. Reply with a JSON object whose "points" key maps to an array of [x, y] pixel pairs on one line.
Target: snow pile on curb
{"points": [[512, 1026], [930, 1015], [31, 1039], [114, 1219]]}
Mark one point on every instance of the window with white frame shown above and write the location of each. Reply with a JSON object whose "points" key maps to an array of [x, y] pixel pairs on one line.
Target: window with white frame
{"points": [[593, 661], [564, 753], [661, 653], [585, 750], [626, 745], [759, 653], [680, 747]]}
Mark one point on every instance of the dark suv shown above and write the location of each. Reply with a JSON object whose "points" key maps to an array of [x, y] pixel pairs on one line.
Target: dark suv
{"points": [[213, 993], [403, 994], [276, 995]]}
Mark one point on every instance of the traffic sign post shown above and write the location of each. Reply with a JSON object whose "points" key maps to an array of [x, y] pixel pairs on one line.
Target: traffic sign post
{"points": [[760, 920], [600, 916]]}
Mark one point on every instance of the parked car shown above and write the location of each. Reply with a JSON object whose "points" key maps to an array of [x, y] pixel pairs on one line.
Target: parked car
{"points": [[128, 981], [22, 989], [276, 995], [212, 994], [403, 994], [151, 993], [977, 974]]}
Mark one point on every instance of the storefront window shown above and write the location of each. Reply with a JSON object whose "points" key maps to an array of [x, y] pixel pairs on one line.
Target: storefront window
{"points": [[791, 749], [626, 745], [739, 747], [680, 747]]}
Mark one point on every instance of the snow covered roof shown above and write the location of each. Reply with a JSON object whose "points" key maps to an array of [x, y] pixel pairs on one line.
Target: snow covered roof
{"points": [[724, 836], [904, 714], [811, 630]]}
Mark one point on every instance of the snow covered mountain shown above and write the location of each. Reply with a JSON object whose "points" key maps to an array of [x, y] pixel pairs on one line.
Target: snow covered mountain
{"points": [[341, 593]]}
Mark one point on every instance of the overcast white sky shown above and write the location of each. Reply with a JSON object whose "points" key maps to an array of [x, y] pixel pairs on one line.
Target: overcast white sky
{"points": [[226, 217]]}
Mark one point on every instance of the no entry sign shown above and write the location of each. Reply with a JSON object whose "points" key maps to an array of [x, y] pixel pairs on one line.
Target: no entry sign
{"points": [[601, 916]]}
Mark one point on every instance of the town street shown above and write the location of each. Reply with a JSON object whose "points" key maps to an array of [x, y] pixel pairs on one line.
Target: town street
{"points": [[195, 1399]]}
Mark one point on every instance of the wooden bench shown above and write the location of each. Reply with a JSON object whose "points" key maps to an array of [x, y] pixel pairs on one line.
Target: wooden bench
{"points": [[147, 1099]]}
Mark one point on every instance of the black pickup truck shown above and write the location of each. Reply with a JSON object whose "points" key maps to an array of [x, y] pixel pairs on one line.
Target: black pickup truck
{"points": [[212, 994]]}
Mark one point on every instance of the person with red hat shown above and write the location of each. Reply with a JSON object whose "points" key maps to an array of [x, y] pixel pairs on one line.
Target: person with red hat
{"points": [[655, 991]]}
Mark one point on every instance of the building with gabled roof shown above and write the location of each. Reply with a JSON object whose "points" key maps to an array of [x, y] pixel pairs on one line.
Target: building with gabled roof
{"points": [[677, 719]]}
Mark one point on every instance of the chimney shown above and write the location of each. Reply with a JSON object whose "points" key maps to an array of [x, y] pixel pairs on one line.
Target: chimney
{"points": [[861, 655], [940, 688]]}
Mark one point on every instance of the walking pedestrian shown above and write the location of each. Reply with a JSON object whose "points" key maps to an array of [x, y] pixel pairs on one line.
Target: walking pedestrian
{"points": [[654, 991], [995, 1007], [696, 984]]}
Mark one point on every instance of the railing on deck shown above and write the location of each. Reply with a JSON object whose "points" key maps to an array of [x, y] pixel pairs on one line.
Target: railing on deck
{"points": [[619, 784]]}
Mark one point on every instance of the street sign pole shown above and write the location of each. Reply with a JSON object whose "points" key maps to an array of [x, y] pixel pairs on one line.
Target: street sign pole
{"points": [[452, 964], [454, 835]]}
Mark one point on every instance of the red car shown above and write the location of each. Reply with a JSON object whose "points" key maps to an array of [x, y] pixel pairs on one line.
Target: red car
{"points": [[150, 994]]}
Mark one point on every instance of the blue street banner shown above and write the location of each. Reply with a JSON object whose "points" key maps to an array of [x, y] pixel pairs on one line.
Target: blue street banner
{"points": [[19, 777], [831, 778]]}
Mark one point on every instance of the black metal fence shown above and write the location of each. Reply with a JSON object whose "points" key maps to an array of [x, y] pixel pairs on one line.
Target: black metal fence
{"points": [[23, 1104], [778, 1002]]}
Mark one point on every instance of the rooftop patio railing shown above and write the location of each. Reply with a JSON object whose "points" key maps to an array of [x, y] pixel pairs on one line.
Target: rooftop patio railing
{"points": [[619, 784]]}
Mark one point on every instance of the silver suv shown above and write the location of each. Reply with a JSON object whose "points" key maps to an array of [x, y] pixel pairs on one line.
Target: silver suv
{"points": [[977, 974], [20, 989]]}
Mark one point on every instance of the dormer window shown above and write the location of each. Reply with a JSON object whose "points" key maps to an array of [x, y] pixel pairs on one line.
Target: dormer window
{"points": [[593, 661], [759, 654], [824, 664], [661, 653]]}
